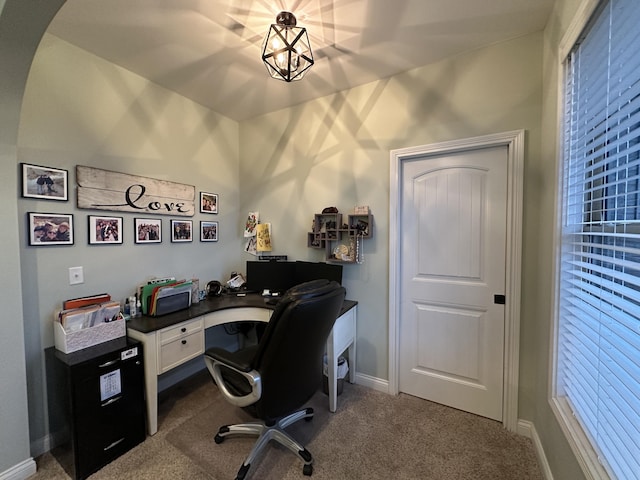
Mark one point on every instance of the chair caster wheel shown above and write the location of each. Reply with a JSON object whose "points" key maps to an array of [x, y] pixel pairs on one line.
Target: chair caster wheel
{"points": [[307, 470], [218, 439]]}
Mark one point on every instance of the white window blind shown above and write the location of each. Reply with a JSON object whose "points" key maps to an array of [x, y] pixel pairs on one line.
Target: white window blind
{"points": [[598, 357]]}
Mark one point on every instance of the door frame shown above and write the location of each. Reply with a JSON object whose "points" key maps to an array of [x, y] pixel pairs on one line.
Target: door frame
{"points": [[515, 143]]}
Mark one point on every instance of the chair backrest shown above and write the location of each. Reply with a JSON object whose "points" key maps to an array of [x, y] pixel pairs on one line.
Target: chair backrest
{"points": [[289, 355]]}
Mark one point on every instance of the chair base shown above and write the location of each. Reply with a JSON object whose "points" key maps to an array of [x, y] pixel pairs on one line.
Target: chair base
{"points": [[265, 433]]}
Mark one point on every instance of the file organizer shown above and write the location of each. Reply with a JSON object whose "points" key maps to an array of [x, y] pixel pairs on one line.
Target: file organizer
{"points": [[167, 297], [68, 342], [78, 328]]}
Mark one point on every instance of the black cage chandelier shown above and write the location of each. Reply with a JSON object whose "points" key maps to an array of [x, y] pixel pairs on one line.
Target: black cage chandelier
{"points": [[286, 51]]}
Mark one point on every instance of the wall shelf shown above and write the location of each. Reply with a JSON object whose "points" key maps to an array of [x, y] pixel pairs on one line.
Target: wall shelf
{"points": [[340, 235]]}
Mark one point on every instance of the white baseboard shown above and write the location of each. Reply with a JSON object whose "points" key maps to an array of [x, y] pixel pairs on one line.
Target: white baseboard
{"points": [[372, 382], [21, 471], [528, 430]]}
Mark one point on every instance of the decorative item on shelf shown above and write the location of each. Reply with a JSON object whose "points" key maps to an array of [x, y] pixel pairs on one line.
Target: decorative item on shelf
{"points": [[359, 254], [341, 252], [342, 240], [286, 51]]}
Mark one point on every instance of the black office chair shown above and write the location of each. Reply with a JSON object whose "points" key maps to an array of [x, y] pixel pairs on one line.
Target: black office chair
{"points": [[273, 379]]}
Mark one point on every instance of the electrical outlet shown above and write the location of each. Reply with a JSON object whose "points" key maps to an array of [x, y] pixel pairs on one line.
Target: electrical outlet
{"points": [[76, 275]]}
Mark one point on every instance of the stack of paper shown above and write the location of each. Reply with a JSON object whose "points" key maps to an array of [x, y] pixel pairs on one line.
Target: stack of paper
{"points": [[75, 319], [86, 301]]}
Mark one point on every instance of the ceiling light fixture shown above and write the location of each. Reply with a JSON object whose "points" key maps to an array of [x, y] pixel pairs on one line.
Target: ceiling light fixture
{"points": [[286, 51]]}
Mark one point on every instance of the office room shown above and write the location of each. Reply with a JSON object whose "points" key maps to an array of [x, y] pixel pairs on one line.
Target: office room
{"points": [[64, 106]]}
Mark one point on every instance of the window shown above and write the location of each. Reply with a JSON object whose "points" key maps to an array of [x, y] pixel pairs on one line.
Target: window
{"points": [[597, 377]]}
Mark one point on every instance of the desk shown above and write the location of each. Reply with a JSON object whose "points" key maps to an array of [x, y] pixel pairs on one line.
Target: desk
{"points": [[174, 339]]}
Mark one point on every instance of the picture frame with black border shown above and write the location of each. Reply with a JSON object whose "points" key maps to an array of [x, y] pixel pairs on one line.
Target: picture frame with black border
{"points": [[147, 230], [105, 230], [44, 183], [208, 202], [181, 231], [208, 231], [48, 229]]}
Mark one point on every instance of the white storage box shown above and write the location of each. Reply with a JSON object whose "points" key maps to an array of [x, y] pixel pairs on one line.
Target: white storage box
{"points": [[68, 342]]}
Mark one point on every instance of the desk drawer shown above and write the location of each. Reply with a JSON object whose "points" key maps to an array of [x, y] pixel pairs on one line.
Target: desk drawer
{"points": [[180, 344], [174, 332]]}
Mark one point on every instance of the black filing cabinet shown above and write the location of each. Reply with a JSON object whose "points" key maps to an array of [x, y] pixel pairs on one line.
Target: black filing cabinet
{"points": [[96, 404]]}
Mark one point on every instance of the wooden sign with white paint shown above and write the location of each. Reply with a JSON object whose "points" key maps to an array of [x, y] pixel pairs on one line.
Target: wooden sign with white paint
{"points": [[105, 190]]}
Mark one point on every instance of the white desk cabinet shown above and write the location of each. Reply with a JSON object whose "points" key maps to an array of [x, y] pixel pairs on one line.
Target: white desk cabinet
{"points": [[179, 344], [341, 338], [174, 339]]}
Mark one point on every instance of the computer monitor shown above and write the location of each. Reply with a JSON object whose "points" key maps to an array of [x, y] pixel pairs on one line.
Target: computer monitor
{"points": [[307, 271], [277, 277]]}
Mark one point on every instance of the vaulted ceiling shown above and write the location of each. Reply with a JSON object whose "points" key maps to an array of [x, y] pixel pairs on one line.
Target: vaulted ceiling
{"points": [[209, 50]]}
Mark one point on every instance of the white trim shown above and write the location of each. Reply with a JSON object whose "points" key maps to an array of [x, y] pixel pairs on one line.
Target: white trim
{"points": [[577, 25], [21, 471], [514, 141], [373, 383], [581, 447], [528, 429]]}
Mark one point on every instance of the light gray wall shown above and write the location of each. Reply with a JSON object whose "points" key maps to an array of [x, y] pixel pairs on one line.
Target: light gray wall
{"points": [[79, 109], [20, 32], [333, 151]]}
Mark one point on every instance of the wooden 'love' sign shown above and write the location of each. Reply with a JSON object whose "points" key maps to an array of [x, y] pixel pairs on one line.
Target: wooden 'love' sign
{"points": [[105, 190]]}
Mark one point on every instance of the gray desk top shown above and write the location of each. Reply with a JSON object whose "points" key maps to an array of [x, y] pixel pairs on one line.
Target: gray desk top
{"points": [[147, 324]]}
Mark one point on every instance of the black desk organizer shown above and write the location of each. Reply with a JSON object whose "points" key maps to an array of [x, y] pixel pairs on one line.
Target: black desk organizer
{"points": [[90, 428], [170, 304]]}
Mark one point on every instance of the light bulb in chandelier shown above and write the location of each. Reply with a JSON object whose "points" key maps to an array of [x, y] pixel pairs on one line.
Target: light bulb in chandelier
{"points": [[286, 51]]}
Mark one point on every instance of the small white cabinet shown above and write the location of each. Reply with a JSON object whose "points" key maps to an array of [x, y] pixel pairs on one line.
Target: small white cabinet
{"points": [[179, 344]]}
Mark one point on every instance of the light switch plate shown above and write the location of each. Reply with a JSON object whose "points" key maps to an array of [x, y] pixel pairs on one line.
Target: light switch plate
{"points": [[76, 275]]}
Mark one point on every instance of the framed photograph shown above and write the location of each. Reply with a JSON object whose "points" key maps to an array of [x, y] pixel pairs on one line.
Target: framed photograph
{"points": [[181, 230], [208, 202], [50, 229], [208, 231], [148, 230], [44, 182], [104, 230]]}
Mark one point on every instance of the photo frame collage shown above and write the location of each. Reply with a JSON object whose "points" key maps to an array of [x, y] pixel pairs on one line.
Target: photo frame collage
{"points": [[48, 229]]}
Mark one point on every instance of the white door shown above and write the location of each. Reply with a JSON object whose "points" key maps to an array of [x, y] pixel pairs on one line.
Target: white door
{"points": [[452, 258]]}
